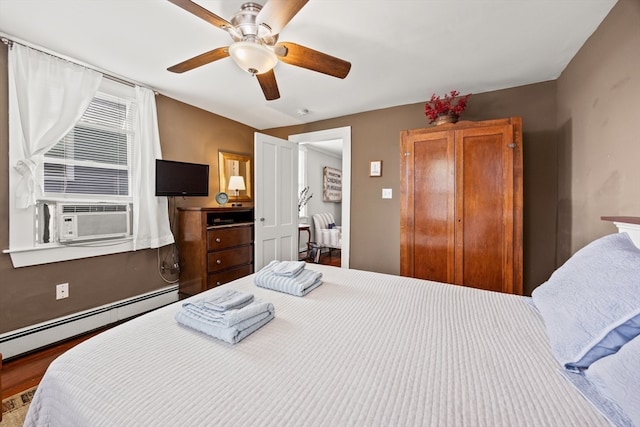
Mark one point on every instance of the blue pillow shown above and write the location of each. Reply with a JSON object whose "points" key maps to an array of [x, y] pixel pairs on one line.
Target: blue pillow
{"points": [[591, 304], [617, 378]]}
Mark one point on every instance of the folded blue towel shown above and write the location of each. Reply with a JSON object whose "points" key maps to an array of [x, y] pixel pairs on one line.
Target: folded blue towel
{"points": [[288, 268], [232, 334], [229, 317], [302, 284], [226, 299]]}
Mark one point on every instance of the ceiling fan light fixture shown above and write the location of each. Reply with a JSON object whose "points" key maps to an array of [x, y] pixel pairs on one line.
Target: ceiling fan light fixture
{"points": [[253, 57]]}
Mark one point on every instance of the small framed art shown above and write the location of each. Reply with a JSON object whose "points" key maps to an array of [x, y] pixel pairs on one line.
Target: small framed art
{"points": [[375, 168]]}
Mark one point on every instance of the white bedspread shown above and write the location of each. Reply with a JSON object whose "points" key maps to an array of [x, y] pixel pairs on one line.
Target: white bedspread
{"points": [[363, 349]]}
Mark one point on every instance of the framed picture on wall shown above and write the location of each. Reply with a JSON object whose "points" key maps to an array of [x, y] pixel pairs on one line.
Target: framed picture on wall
{"points": [[375, 168], [331, 185]]}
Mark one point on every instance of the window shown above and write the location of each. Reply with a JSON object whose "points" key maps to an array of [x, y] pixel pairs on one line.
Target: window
{"points": [[93, 158], [83, 150], [90, 166]]}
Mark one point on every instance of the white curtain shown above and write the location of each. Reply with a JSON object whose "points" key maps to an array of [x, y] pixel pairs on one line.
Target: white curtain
{"points": [[150, 213], [51, 95]]}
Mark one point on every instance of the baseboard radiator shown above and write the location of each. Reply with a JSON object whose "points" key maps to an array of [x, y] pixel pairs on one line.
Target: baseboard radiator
{"points": [[24, 340]]}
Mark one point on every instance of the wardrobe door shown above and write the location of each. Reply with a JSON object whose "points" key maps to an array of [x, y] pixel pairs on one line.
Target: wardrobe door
{"points": [[427, 220], [484, 207]]}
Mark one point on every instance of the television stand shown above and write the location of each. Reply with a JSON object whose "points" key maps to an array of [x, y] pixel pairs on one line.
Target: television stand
{"points": [[215, 247]]}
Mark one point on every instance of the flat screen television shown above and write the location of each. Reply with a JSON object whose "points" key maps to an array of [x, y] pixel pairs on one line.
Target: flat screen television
{"points": [[181, 179]]}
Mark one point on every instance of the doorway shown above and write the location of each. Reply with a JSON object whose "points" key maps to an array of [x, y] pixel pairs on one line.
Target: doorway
{"points": [[343, 134]]}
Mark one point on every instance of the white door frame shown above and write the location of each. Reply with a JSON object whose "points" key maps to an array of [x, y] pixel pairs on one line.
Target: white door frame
{"points": [[343, 133]]}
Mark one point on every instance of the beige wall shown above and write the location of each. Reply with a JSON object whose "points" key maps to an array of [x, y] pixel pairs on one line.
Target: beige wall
{"points": [[599, 123], [582, 146], [375, 223], [189, 134], [581, 153], [27, 294]]}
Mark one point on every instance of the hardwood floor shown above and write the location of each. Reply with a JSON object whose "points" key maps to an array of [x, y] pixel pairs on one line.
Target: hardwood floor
{"points": [[332, 257], [24, 372]]}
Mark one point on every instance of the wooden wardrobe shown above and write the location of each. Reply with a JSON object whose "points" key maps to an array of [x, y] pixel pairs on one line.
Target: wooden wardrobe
{"points": [[461, 204]]}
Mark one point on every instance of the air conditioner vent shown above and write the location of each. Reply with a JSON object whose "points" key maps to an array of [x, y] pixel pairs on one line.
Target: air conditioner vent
{"points": [[66, 208]]}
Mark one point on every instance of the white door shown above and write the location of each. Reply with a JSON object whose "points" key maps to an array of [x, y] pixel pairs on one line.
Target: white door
{"points": [[276, 200]]}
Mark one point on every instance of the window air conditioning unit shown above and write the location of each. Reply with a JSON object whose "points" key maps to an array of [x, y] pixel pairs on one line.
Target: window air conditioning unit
{"points": [[79, 222]]}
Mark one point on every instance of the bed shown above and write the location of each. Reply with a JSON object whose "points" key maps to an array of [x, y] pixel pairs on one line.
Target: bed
{"points": [[362, 349]]}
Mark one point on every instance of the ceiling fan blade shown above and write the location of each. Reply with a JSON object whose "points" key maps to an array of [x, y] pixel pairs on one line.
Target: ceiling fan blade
{"points": [[275, 14], [203, 13], [202, 59], [269, 85], [305, 57]]}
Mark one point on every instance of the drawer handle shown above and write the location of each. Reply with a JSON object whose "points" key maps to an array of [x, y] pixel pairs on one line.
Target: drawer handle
{"points": [[218, 261], [218, 240], [218, 283]]}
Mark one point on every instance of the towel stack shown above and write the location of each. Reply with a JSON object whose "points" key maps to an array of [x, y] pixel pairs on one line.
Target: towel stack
{"points": [[228, 315], [289, 277]]}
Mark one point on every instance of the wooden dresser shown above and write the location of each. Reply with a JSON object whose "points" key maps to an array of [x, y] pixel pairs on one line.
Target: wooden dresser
{"points": [[215, 247]]}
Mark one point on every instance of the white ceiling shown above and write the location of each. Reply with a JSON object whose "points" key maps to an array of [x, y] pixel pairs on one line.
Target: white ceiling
{"points": [[331, 146], [401, 51]]}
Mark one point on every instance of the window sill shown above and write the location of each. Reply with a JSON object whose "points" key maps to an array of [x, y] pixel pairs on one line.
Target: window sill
{"points": [[56, 252]]}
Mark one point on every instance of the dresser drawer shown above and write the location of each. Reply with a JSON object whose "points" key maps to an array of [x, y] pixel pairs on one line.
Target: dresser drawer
{"points": [[225, 237], [221, 260], [217, 279]]}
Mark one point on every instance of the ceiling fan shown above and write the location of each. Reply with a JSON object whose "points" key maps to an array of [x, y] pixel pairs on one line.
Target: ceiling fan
{"points": [[254, 30]]}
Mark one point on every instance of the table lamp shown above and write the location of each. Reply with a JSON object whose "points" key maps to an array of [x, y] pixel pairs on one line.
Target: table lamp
{"points": [[236, 183]]}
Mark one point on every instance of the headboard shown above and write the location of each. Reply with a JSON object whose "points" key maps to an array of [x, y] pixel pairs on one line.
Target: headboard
{"points": [[627, 224]]}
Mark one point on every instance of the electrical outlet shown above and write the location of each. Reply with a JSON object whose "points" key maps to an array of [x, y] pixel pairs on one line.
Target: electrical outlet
{"points": [[175, 268], [387, 193], [62, 291], [171, 268]]}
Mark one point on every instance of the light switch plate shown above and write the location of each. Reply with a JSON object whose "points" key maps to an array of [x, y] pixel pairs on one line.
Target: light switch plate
{"points": [[387, 193]]}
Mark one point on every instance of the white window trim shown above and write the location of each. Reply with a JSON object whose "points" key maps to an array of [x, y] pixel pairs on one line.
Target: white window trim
{"points": [[47, 254]]}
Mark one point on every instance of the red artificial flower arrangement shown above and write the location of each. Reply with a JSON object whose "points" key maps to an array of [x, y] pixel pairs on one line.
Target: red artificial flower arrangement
{"points": [[450, 104]]}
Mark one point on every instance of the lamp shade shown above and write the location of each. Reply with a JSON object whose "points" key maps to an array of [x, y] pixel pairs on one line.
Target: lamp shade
{"points": [[253, 57], [236, 182]]}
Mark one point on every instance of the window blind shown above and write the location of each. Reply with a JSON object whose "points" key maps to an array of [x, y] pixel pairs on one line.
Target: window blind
{"points": [[94, 157]]}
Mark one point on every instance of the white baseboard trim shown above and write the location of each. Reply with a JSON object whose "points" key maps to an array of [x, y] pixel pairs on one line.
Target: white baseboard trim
{"points": [[19, 341]]}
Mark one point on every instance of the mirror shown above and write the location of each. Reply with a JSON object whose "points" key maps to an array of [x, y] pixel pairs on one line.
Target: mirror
{"points": [[235, 164]]}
